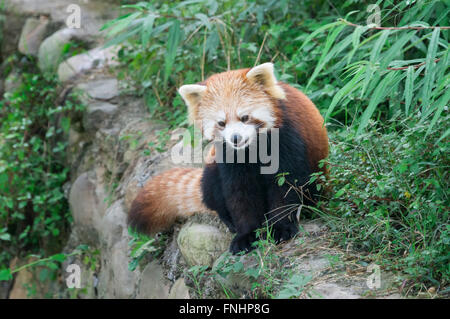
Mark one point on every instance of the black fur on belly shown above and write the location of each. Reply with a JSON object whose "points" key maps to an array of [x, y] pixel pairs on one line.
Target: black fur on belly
{"points": [[245, 199]]}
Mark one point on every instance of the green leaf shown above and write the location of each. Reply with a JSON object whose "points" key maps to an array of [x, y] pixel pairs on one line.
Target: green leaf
{"points": [[395, 49], [58, 257], [294, 287], [5, 274], [439, 106], [173, 41], [317, 32], [409, 87], [352, 85], [325, 57], [429, 69], [375, 53], [447, 133], [122, 24], [5, 236], [380, 92], [147, 28], [356, 36]]}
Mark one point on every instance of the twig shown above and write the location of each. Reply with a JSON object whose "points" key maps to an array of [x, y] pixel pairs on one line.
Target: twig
{"points": [[157, 96], [394, 28], [415, 66], [260, 49], [202, 65]]}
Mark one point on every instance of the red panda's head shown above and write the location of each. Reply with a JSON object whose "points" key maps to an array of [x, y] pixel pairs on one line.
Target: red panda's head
{"points": [[233, 105]]}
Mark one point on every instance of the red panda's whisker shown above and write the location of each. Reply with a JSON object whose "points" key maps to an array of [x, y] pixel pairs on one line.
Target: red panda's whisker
{"points": [[278, 214], [285, 215], [290, 205]]}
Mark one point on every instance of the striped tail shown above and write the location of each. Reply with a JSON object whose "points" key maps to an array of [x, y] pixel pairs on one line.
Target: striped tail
{"points": [[168, 196]]}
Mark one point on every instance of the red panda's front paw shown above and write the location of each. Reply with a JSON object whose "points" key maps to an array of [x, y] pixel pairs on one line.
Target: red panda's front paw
{"points": [[284, 231], [242, 243]]}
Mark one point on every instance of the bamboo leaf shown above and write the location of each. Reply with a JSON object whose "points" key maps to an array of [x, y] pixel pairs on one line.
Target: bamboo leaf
{"points": [[352, 85], [447, 133], [395, 50], [356, 39], [124, 23], [325, 57], [440, 104], [147, 28], [376, 98], [318, 31], [375, 53], [429, 68], [173, 41], [409, 86]]}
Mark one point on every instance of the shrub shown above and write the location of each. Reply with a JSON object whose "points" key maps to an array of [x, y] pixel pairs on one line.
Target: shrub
{"points": [[34, 213], [390, 197]]}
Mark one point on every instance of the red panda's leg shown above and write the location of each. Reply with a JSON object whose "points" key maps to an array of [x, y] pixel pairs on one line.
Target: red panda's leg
{"points": [[213, 195], [281, 212], [244, 196]]}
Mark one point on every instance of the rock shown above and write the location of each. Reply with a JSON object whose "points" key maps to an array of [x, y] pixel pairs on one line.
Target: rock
{"points": [[310, 265], [202, 244], [313, 227], [153, 284], [87, 205], [93, 59], [131, 192], [51, 50], [123, 283], [14, 24], [113, 226], [12, 82], [104, 89], [29, 282], [333, 291], [33, 32], [93, 12], [19, 290], [179, 290], [96, 115]]}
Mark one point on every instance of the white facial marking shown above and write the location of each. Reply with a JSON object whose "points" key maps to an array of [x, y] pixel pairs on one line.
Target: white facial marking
{"points": [[208, 128], [264, 115], [246, 132]]}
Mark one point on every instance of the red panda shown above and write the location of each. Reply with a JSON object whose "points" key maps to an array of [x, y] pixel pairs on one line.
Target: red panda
{"points": [[233, 105]]}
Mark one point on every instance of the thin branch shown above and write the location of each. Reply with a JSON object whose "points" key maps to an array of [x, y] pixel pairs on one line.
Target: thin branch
{"points": [[415, 66], [260, 49], [394, 28], [202, 65]]}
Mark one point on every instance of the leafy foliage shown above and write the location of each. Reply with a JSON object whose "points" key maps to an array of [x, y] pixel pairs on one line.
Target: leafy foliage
{"points": [[390, 197], [33, 211], [143, 246]]}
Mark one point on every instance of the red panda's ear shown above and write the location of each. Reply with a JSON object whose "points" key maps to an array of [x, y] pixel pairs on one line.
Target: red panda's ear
{"points": [[192, 94], [263, 75]]}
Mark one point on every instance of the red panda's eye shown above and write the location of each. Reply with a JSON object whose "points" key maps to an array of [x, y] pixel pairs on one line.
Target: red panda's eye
{"points": [[244, 118], [221, 123]]}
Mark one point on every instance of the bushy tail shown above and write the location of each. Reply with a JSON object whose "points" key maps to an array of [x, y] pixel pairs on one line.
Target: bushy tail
{"points": [[172, 194]]}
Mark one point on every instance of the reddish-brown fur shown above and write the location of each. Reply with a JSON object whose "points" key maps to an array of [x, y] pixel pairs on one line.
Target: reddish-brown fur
{"points": [[304, 114], [174, 193]]}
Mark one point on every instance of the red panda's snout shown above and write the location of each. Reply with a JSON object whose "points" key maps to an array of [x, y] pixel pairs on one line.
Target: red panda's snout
{"points": [[239, 135]]}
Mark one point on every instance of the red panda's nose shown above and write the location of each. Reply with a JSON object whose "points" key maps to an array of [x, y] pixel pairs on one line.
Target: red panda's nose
{"points": [[236, 138]]}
